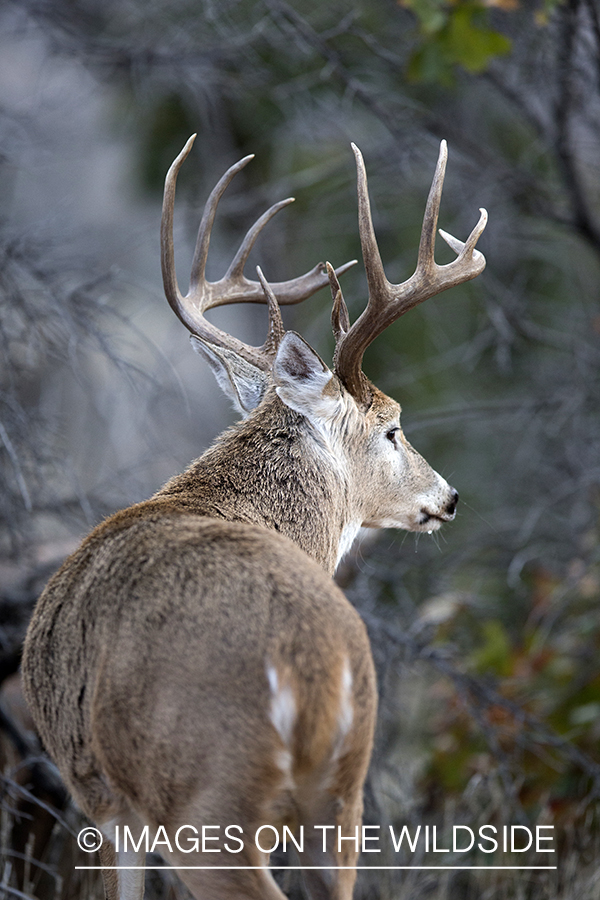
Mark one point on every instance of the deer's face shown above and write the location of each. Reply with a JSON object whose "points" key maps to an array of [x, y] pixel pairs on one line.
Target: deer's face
{"points": [[388, 484], [392, 485]]}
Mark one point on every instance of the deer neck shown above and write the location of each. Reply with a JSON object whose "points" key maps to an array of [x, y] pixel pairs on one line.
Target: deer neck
{"points": [[273, 470]]}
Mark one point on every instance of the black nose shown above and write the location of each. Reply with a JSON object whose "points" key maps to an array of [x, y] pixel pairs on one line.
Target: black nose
{"points": [[451, 507]]}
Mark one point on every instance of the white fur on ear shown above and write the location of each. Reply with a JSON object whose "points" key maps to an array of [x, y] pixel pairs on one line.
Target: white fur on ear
{"points": [[243, 383], [303, 381]]}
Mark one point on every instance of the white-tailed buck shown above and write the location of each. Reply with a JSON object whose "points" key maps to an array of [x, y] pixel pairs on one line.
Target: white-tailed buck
{"points": [[193, 664]]}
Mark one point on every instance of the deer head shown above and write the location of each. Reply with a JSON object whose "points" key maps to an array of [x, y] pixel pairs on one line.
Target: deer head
{"points": [[357, 427]]}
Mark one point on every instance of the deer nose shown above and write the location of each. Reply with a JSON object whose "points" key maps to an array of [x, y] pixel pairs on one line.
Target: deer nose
{"points": [[453, 502]]}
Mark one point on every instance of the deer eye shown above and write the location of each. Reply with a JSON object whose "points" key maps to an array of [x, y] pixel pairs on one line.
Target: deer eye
{"points": [[391, 434]]}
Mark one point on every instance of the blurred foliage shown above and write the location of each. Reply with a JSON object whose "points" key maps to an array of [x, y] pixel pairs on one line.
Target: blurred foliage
{"points": [[544, 663]]}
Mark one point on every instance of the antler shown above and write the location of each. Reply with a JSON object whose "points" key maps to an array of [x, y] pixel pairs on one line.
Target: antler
{"points": [[387, 301], [234, 287]]}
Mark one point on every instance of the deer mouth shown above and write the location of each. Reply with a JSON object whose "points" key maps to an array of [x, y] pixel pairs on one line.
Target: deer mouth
{"points": [[433, 521], [429, 520]]}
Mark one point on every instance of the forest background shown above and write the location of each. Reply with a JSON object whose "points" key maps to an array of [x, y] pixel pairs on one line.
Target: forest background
{"points": [[486, 638]]}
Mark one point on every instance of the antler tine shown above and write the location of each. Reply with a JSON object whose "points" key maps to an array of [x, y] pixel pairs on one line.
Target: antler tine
{"points": [[376, 279], [167, 250], [298, 289], [208, 218], [340, 320], [276, 329], [234, 287], [387, 301], [467, 248], [236, 269], [425, 259]]}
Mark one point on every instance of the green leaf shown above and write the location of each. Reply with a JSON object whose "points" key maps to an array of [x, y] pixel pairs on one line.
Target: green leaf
{"points": [[450, 37], [432, 14], [471, 46]]}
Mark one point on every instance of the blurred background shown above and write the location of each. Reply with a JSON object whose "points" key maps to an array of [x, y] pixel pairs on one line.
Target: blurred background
{"points": [[486, 635]]}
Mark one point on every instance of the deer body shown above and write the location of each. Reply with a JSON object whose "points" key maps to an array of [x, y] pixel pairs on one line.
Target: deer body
{"points": [[193, 663], [195, 700]]}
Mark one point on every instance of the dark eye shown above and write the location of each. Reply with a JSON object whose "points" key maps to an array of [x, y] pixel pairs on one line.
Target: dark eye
{"points": [[391, 435]]}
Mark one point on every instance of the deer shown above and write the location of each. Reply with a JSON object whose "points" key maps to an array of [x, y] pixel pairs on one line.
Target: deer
{"points": [[193, 665]]}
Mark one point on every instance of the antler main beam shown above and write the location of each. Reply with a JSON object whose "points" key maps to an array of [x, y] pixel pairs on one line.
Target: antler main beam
{"points": [[234, 287], [387, 301]]}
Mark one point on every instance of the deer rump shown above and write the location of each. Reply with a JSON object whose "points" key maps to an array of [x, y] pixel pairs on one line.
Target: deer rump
{"points": [[186, 712]]}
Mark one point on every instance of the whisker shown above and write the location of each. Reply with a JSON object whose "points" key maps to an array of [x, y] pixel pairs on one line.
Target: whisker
{"points": [[478, 514]]}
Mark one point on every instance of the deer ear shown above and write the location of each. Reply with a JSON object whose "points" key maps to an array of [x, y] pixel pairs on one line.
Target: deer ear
{"points": [[243, 383], [303, 381]]}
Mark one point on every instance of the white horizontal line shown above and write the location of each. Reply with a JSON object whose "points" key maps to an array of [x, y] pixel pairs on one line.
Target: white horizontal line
{"points": [[225, 868]]}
